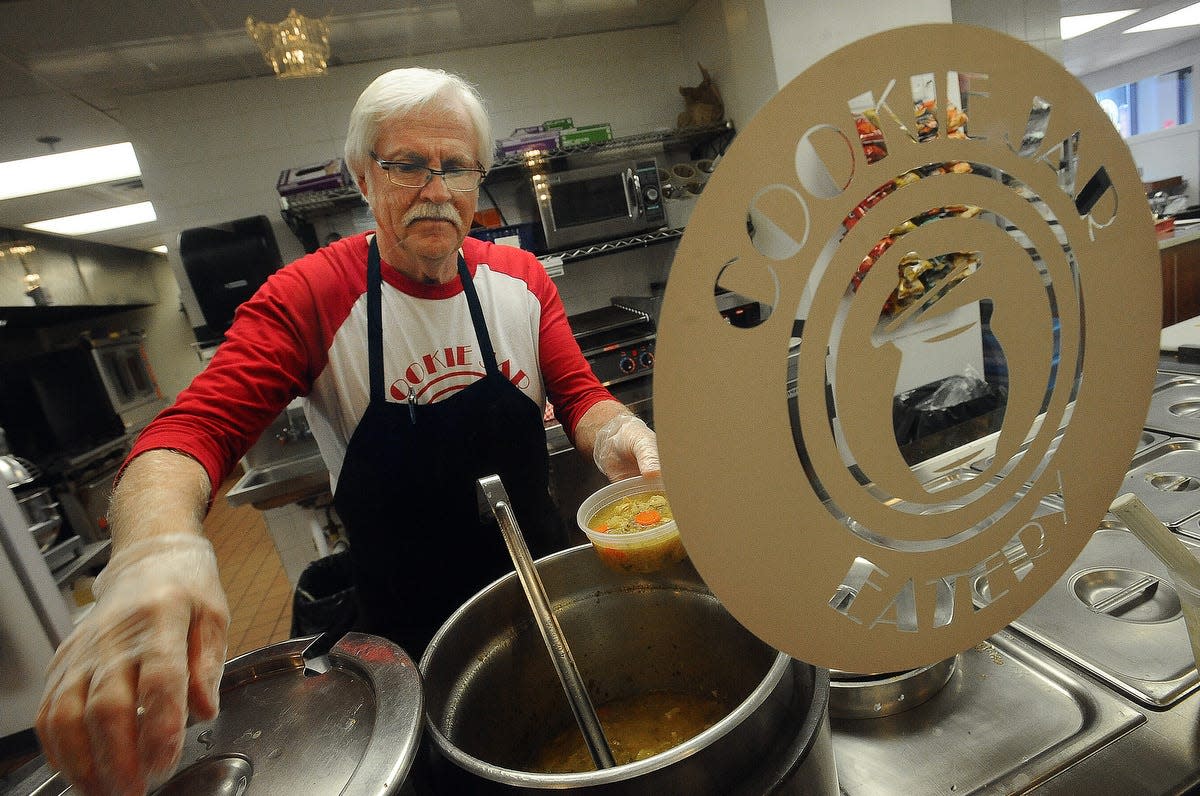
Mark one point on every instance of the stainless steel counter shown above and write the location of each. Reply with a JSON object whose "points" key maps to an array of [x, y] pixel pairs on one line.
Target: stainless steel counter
{"points": [[1066, 700], [280, 483], [283, 466]]}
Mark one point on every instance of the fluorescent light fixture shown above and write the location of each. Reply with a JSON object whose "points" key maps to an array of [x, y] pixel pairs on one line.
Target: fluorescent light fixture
{"points": [[1070, 27], [98, 220], [67, 170], [1188, 15], [160, 249]]}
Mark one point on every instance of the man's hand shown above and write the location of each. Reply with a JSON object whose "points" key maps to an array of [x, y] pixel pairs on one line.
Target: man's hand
{"points": [[624, 447], [151, 652]]}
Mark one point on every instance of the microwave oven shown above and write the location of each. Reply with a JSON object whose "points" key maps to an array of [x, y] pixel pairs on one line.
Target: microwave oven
{"points": [[601, 202]]}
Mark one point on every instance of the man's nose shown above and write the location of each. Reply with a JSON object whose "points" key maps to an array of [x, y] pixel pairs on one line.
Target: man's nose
{"points": [[435, 190]]}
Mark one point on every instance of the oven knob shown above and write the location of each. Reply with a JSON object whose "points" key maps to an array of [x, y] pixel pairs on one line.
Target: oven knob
{"points": [[651, 194], [626, 364], [646, 359]]}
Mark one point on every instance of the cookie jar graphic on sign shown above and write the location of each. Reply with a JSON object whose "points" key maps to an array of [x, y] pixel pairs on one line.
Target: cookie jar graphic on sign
{"points": [[945, 211]]}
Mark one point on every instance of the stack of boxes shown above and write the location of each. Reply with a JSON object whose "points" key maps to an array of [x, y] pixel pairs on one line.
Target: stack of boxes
{"points": [[553, 134]]}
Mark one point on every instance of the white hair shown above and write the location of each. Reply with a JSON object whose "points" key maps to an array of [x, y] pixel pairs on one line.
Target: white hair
{"points": [[396, 94]]}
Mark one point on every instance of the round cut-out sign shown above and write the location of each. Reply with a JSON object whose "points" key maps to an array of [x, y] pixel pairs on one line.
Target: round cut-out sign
{"points": [[959, 286]]}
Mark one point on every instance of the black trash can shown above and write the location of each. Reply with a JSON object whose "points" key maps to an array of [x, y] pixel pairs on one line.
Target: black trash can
{"points": [[324, 600]]}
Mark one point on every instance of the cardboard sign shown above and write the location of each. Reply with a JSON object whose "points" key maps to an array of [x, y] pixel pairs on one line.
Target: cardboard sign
{"points": [[923, 201]]}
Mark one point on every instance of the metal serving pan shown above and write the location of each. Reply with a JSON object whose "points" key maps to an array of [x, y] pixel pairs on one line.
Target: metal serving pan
{"points": [[1147, 440], [1166, 478], [1116, 614], [975, 735], [1175, 406]]}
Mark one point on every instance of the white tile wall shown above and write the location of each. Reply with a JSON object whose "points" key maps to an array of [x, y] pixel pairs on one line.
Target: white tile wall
{"points": [[1031, 21]]}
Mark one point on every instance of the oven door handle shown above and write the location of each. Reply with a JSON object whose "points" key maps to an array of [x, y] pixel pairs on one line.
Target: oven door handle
{"points": [[633, 194]]}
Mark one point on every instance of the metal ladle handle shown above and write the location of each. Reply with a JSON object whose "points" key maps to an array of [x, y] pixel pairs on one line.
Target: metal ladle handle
{"points": [[492, 492]]}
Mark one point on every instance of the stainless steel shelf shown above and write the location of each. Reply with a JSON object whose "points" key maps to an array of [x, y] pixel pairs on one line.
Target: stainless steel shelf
{"points": [[610, 246], [91, 553], [309, 204], [668, 138]]}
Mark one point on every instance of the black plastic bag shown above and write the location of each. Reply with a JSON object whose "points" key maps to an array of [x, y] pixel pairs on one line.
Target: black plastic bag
{"points": [[324, 600], [946, 414]]}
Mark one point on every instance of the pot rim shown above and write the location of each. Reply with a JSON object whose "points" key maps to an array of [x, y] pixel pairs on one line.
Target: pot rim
{"points": [[780, 666]]}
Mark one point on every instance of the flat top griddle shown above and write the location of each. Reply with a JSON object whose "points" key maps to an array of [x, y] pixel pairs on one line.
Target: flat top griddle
{"points": [[604, 319]]}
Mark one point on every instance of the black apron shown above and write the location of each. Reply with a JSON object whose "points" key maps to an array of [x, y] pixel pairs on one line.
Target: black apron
{"points": [[406, 492]]}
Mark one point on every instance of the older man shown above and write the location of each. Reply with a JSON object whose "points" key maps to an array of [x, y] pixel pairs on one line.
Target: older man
{"points": [[425, 356]]}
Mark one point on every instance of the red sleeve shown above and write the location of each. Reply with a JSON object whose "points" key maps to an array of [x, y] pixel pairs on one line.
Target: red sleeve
{"points": [[276, 347], [571, 385]]}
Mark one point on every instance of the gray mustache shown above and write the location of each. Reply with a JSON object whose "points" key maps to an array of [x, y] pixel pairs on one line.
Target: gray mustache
{"points": [[434, 211]]}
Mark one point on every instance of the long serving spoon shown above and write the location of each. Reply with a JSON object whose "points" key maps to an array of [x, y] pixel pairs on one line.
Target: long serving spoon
{"points": [[1181, 564], [493, 495]]}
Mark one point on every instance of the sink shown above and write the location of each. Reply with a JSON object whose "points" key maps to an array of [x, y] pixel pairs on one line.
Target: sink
{"points": [[280, 483]]}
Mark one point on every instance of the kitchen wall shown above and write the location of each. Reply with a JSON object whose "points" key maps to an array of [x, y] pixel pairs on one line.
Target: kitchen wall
{"points": [[1162, 153], [213, 153], [756, 47], [1035, 22], [799, 40]]}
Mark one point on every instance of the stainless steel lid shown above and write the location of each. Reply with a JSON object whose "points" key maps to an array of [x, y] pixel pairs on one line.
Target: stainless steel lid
{"points": [[347, 722]]}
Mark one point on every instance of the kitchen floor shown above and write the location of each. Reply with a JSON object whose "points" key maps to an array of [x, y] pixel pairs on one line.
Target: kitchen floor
{"points": [[258, 590]]}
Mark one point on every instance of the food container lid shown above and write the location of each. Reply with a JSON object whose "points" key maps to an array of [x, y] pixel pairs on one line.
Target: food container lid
{"points": [[811, 518], [347, 722]]}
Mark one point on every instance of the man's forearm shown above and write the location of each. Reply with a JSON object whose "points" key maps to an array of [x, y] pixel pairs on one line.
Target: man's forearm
{"points": [[160, 492]]}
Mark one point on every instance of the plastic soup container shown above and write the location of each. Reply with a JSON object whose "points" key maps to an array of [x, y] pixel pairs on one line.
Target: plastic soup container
{"points": [[630, 525]]}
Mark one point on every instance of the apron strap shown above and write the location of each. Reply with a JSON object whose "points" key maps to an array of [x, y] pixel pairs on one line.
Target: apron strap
{"points": [[375, 320], [481, 330]]}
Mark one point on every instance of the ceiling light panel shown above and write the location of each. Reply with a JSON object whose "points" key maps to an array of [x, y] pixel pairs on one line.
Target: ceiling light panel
{"points": [[65, 170], [1184, 17], [98, 220], [1070, 27]]}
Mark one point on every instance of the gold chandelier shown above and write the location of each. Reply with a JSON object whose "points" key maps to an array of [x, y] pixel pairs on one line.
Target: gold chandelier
{"points": [[296, 47]]}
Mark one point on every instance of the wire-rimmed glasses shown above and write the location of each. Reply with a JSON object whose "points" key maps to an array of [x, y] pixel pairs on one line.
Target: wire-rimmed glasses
{"points": [[404, 174]]}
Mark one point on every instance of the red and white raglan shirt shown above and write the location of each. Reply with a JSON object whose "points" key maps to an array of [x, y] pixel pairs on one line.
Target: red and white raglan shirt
{"points": [[305, 333]]}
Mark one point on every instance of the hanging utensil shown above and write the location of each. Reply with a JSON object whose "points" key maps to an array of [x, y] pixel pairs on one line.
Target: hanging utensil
{"points": [[493, 496]]}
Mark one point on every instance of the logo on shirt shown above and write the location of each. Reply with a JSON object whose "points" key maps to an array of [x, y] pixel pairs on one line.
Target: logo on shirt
{"points": [[445, 371]]}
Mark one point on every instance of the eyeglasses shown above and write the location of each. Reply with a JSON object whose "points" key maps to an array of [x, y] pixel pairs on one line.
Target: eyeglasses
{"points": [[403, 174]]}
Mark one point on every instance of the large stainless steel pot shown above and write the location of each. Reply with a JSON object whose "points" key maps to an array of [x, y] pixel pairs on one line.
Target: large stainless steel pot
{"points": [[492, 697]]}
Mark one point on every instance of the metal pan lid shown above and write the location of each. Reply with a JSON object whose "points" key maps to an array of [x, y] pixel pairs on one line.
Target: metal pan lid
{"points": [[295, 721]]}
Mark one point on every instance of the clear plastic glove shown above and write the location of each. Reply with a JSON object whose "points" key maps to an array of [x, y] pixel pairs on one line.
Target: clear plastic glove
{"points": [[150, 652], [624, 447]]}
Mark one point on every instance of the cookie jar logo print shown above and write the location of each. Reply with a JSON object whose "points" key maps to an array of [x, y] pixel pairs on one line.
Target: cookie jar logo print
{"points": [[928, 211]]}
